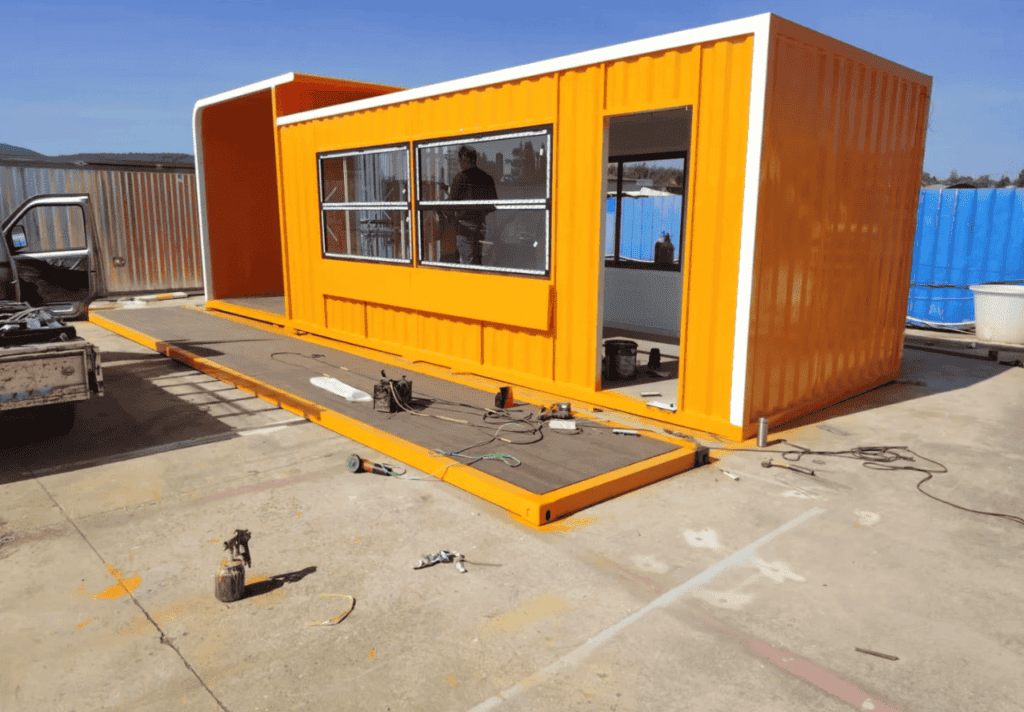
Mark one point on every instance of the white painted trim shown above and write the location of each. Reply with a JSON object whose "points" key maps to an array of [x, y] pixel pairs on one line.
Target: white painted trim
{"points": [[197, 147], [247, 89], [204, 224], [683, 38], [748, 229]]}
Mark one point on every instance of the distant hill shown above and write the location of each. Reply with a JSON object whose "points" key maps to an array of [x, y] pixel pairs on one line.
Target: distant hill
{"points": [[16, 153], [6, 148]]}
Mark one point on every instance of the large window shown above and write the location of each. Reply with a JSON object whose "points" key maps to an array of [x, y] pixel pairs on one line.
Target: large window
{"points": [[364, 204], [484, 201], [644, 223]]}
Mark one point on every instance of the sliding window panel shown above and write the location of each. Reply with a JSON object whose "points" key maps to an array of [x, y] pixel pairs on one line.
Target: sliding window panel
{"points": [[378, 176], [365, 204], [491, 194], [367, 234], [515, 239]]}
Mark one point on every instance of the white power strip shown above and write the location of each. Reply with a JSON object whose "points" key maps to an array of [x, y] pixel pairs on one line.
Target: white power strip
{"points": [[562, 424]]}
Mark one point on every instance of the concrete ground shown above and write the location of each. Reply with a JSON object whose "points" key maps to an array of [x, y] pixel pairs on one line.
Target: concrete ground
{"points": [[701, 592]]}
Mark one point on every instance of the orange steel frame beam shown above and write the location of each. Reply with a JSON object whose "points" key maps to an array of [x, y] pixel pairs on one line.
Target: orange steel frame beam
{"points": [[532, 509]]}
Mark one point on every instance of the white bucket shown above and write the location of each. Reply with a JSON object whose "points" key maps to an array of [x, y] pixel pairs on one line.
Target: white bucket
{"points": [[999, 312]]}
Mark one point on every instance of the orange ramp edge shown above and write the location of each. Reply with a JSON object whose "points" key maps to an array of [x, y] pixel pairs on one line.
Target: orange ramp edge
{"points": [[534, 510]]}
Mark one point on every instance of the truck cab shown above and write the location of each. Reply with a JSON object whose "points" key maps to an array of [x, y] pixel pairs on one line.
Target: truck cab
{"points": [[46, 255]]}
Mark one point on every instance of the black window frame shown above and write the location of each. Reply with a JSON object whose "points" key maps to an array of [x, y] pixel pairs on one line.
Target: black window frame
{"points": [[406, 206], [543, 130], [615, 260]]}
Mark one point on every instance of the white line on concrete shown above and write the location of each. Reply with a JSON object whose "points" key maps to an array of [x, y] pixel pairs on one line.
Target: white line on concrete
{"points": [[578, 655]]}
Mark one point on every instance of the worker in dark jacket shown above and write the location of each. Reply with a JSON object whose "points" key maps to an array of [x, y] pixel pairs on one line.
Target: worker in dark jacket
{"points": [[471, 183]]}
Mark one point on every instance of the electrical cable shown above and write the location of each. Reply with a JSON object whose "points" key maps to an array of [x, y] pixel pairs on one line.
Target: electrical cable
{"points": [[882, 457]]}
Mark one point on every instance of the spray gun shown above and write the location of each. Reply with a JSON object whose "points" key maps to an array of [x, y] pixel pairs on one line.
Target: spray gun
{"points": [[229, 584]]}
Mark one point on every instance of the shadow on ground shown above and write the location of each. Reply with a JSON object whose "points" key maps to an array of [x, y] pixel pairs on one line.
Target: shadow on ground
{"points": [[133, 417], [923, 374], [258, 588]]}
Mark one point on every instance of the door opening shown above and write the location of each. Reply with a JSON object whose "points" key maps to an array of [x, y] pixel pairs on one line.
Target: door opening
{"points": [[644, 252]]}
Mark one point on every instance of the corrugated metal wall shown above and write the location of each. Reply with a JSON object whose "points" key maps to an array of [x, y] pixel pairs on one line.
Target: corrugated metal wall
{"points": [[843, 144], [146, 219], [963, 237], [512, 339]]}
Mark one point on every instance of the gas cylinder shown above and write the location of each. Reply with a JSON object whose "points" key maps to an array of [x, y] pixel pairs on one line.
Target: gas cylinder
{"points": [[230, 581]]}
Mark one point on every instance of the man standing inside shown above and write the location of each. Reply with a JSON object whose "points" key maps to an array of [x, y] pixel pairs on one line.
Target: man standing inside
{"points": [[471, 183]]}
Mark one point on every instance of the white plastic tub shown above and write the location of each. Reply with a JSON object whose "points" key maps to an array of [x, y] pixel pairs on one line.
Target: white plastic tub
{"points": [[999, 312]]}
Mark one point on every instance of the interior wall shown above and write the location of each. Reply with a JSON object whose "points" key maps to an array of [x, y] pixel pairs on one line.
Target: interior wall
{"points": [[243, 221], [639, 299], [650, 132], [643, 300]]}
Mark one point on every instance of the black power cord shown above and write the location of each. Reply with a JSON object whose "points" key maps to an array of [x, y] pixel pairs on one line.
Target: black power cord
{"points": [[887, 458]]}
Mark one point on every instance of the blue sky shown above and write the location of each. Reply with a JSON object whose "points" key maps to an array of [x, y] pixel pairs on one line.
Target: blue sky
{"points": [[121, 77]]}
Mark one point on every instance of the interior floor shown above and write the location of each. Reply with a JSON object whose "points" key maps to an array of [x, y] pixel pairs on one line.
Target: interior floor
{"points": [[660, 384]]}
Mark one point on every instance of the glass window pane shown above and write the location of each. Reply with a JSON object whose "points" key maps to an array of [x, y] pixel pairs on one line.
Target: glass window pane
{"points": [[511, 239], [53, 228], [380, 177], [367, 233], [650, 212], [518, 166]]}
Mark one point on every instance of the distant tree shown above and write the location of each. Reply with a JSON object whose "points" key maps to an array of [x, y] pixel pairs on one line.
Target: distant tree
{"points": [[928, 179], [1003, 182], [1019, 183], [954, 177], [984, 181]]}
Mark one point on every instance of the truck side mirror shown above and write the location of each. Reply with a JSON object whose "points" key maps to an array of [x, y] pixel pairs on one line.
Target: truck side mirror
{"points": [[18, 237]]}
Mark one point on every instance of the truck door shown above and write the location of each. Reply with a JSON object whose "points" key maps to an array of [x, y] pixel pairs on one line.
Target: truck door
{"points": [[49, 249]]}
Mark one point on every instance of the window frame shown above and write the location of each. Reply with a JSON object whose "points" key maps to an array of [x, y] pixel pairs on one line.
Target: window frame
{"points": [[324, 206], [615, 260], [540, 204]]}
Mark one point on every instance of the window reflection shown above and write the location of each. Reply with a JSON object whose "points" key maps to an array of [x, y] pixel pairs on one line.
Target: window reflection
{"points": [[484, 201], [365, 204]]}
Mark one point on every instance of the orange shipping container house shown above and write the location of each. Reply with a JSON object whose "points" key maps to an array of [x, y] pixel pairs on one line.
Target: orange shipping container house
{"points": [[723, 216]]}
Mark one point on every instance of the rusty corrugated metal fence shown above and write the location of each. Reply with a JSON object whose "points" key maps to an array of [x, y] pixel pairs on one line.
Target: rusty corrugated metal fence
{"points": [[147, 222]]}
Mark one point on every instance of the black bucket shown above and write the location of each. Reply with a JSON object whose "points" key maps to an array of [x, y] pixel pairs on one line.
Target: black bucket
{"points": [[620, 357]]}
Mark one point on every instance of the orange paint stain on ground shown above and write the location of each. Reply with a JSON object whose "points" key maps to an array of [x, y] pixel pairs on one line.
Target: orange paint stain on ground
{"points": [[84, 623], [123, 586], [373, 653], [567, 525], [215, 541], [546, 607], [452, 681]]}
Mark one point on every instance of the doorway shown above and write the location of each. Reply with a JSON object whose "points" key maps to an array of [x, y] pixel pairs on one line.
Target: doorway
{"points": [[646, 179]]}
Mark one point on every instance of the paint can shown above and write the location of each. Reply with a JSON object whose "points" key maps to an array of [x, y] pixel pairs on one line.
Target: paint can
{"points": [[621, 363], [230, 581]]}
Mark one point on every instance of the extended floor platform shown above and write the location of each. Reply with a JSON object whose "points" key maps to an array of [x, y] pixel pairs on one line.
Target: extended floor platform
{"points": [[536, 473]]}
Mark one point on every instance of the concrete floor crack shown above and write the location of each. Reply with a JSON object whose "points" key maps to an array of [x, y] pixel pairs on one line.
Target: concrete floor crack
{"points": [[163, 637]]}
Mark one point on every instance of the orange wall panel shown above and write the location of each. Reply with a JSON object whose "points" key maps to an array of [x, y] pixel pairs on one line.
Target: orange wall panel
{"points": [[843, 145], [578, 244], [240, 167], [308, 92], [529, 352], [664, 80], [718, 157], [345, 315]]}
